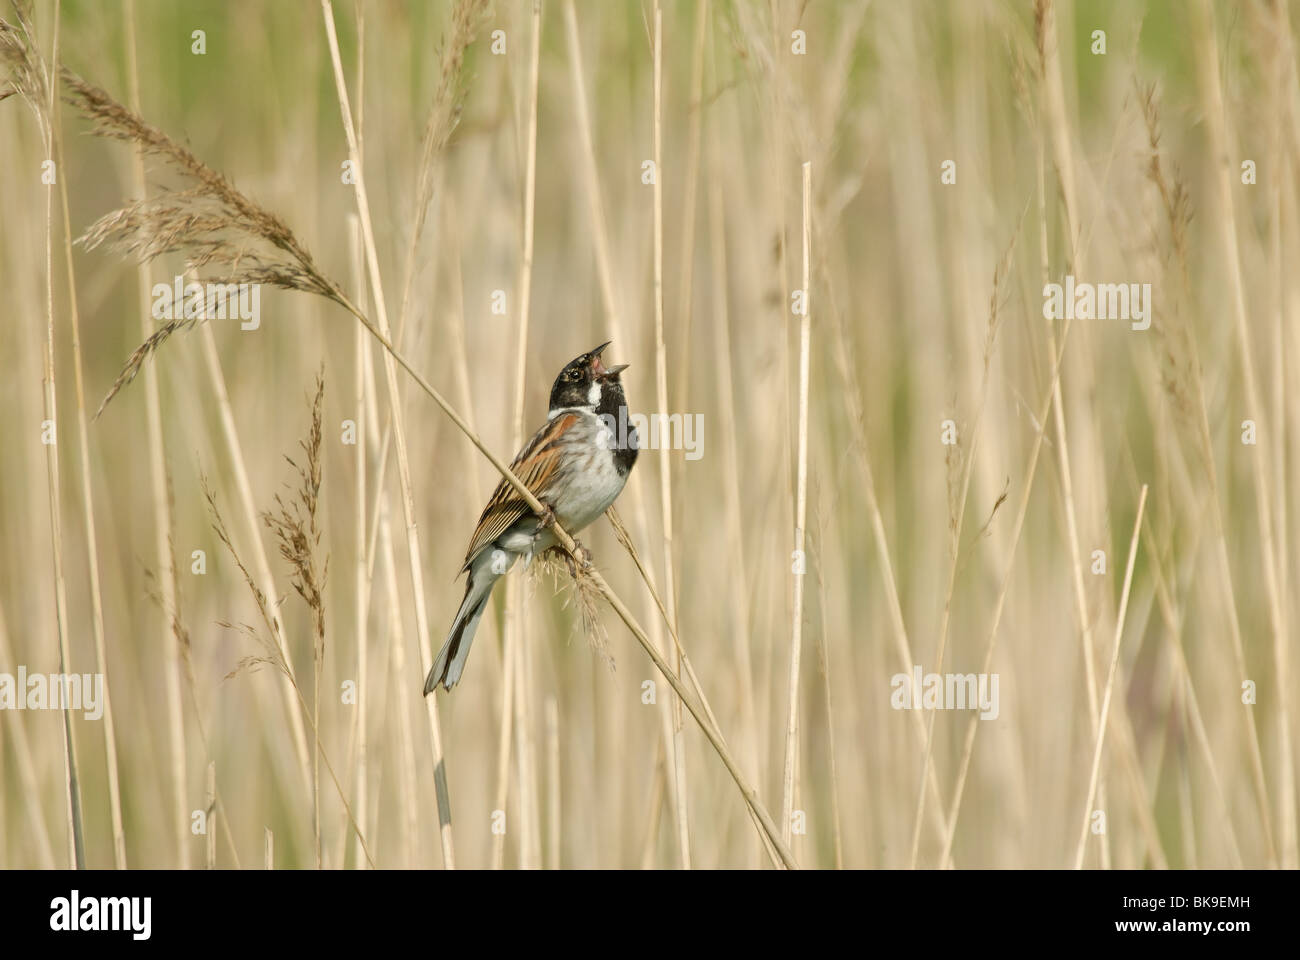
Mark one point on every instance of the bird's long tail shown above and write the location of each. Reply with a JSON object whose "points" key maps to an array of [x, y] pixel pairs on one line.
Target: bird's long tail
{"points": [[450, 662]]}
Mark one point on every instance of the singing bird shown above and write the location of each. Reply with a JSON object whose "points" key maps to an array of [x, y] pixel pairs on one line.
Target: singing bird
{"points": [[576, 465]]}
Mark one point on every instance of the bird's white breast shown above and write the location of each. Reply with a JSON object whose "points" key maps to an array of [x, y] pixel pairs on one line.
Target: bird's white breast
{"points": [[593, 482]]}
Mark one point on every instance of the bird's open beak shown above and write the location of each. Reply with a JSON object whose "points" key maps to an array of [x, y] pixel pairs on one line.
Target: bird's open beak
{"points": [[598, 368]]}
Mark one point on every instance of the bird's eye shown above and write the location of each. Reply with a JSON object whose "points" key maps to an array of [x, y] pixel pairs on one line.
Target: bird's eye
{"points": [[573, 375]]}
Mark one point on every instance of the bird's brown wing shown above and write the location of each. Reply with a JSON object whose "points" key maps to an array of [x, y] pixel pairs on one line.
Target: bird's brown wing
{"points": [[536, 466]]}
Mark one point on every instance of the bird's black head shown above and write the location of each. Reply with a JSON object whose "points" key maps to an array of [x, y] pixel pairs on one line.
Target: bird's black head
{"points": [[587, 383]]}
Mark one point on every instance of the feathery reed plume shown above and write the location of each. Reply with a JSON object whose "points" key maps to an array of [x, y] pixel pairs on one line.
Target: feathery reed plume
{"points": [[555, 562], [20, 56], [294, 524], [296, 531], [210, 216], [1178, 354], [230, 237]]}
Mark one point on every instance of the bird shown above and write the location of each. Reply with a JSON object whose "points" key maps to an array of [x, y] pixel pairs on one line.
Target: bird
{"points": [[576, 465]]}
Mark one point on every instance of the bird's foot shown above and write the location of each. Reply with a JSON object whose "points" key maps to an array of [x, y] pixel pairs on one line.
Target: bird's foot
{"points": [[547, 518], [584, 557]]}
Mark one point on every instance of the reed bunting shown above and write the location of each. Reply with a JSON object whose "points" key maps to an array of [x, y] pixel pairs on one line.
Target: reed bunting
{"points": [[573, 465]]}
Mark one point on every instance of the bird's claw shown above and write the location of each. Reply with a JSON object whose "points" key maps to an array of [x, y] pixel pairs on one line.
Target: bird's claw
{"points": [[584, 556]]}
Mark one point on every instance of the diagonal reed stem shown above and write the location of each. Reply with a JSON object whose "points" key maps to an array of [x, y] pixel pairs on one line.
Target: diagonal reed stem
{"points": [[1110, 681]]}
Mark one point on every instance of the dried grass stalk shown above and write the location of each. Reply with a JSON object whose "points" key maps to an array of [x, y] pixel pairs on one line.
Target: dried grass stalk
{"points": [[29, 79]]}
